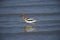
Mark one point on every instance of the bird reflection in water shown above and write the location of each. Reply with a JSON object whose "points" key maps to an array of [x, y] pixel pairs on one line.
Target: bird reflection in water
{"points": [[29, 29]]}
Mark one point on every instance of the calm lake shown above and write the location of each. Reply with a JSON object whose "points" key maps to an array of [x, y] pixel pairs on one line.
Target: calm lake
{"points": [[45, 11]]}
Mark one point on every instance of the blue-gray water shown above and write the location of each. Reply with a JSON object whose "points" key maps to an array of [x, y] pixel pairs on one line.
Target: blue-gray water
{"points": [[47, 12]]}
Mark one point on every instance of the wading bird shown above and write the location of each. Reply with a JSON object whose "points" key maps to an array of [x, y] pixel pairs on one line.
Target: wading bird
{"points": [[28, 20]]}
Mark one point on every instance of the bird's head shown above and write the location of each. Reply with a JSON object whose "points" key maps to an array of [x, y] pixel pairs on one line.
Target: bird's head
{"points": [[24, 16]]}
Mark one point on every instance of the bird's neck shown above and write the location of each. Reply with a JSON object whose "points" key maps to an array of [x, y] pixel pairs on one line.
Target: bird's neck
{"points": [[25, 18]]}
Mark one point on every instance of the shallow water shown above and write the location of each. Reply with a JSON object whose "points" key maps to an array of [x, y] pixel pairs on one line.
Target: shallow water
{"points": [[15, 23], [45, 11], [30, 36]]}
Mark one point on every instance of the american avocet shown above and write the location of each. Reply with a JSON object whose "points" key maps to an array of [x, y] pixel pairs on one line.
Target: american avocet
{"points": [[28, 20]]}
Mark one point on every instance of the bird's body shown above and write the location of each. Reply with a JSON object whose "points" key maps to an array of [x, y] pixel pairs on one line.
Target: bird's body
{"points": [[28, 20]]}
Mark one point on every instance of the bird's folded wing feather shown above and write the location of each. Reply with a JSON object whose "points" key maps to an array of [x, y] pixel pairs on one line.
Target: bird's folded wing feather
{"points": [[30, 19]]}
